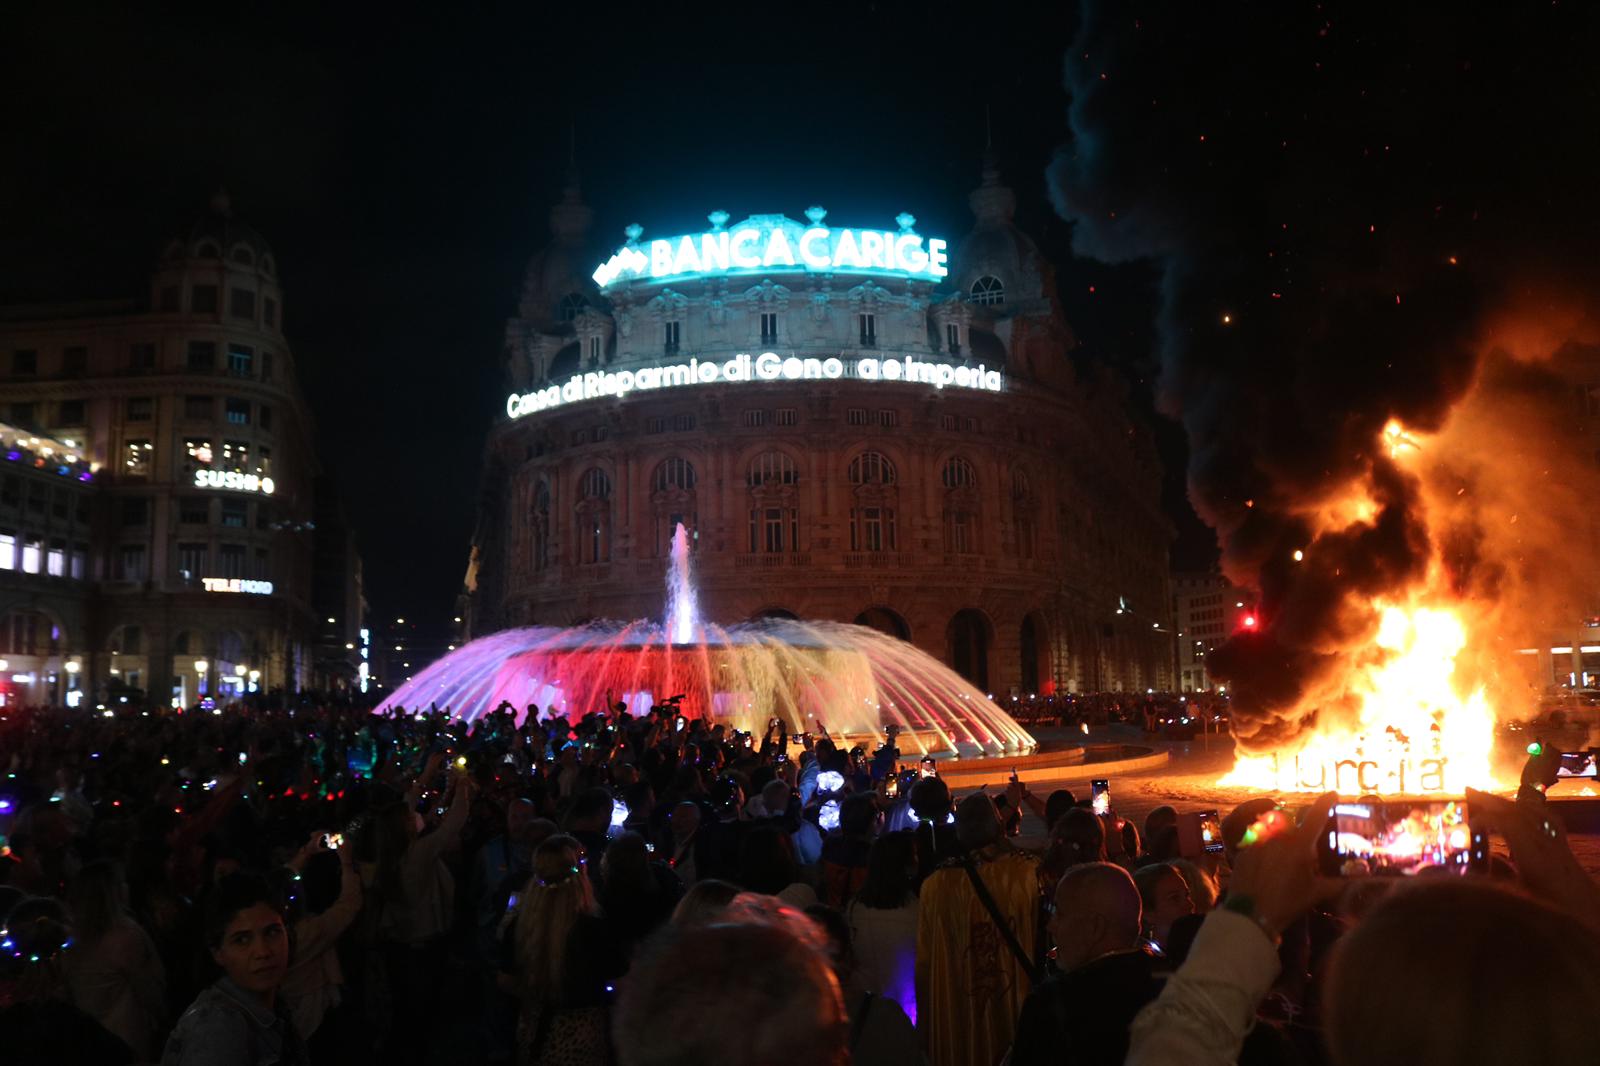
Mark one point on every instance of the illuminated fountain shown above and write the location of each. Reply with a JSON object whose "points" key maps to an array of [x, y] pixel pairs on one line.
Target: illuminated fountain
{"points": [[821, 677]]}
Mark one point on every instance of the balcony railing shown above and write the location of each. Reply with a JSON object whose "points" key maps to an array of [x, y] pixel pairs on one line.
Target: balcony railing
{"points": [[874, 560], [770, 560]]}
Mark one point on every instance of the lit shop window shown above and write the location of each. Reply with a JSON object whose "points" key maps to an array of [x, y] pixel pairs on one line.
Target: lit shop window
{"points": [[138, 457], [55, 559], [32, 553], [8, 551], [198, 449], [80, 561]]}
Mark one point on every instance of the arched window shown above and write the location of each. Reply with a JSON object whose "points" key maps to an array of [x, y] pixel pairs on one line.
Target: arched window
{"points": [[960, 506], [872, 514], [672, 498], [774, 503], [27, 632], [872, 468], [988, 290], [127, 640], [594, 517], [674, 474], [540, 526], [958, 473], [570, 305]]}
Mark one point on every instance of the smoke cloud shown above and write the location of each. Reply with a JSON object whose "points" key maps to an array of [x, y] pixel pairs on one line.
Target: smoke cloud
{"points": [[1360, 218]]}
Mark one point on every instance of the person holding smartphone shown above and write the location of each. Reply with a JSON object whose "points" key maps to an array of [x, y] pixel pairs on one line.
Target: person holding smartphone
{"points": [[311, 988]]}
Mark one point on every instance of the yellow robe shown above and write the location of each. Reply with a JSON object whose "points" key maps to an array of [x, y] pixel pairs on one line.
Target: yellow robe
{"points": [[970, 986]]}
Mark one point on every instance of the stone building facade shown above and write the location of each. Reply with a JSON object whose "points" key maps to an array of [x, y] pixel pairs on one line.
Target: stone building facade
{"points": [[878, 438], [187, 399]]}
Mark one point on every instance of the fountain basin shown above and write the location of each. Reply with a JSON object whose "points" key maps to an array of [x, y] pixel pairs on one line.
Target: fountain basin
{"points": [[848, 682]]}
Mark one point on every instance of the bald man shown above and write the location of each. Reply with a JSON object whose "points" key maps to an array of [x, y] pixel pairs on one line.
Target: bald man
{"points": [[1081, 1015]]}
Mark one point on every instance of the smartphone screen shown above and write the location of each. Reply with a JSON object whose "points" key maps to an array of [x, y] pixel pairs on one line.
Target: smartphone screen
{"points": [[1100, 790], [1578, 764], [1401, 838], [928, 768], [1199, 833]]}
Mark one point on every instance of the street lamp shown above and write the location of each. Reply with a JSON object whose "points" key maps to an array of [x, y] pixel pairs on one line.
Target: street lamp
{"points": [[200, 668]]}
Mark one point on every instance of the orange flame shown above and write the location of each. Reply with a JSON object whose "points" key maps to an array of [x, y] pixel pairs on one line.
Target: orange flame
{"points": [[1406, 717]]}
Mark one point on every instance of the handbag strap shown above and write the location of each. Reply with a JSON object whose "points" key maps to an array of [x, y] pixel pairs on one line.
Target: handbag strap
{"points": [[1000, 922]]}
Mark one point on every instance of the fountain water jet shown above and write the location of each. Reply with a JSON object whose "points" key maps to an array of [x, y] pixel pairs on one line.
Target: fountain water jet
{"points": [[680, 591], [820, 677]]}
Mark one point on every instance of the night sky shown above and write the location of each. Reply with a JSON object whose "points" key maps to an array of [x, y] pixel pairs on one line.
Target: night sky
{"points": [[402, 161]]}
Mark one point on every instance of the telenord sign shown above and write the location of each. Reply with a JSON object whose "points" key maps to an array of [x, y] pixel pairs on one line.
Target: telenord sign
{"points": [[768, 243], [237, 584], [745, 368]]}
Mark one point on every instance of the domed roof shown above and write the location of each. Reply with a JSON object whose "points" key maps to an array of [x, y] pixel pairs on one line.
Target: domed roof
{"points": [[996, 248], [560, 270], [217, 234]]}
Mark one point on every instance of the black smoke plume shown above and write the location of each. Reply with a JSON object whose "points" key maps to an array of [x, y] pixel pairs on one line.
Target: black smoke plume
{"points": [[1361, 214]]}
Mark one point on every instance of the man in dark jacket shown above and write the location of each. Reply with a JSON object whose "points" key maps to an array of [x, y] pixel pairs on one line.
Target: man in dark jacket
{"points": [[1081, 1015]]}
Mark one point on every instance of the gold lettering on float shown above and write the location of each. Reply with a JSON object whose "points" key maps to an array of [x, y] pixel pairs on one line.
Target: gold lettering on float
{"points": [[1361, 776]]}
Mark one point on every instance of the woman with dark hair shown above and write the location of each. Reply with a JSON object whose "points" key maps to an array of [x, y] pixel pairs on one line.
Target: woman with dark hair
{"points": [[113, 968], [565, 959], [883, 921], [240, 1018]]}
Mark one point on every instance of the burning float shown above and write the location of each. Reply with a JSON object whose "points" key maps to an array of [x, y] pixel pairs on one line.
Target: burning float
{"points": [[1425, 583]]}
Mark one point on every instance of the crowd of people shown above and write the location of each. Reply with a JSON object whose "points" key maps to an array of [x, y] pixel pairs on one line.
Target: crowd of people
{"points": [[317, 884]]}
